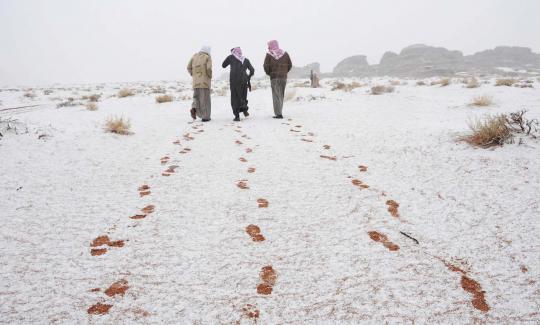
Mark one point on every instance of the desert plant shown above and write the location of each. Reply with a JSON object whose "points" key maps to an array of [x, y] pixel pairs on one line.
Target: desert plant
{"points": [[164, 99], [91, 106], [125, 93], [444, 82], [118, 125], [482, 101], [94, 98], [346, 87], [472, 83], [381, 89], [488, 132], [290, 93], [505, 82]]}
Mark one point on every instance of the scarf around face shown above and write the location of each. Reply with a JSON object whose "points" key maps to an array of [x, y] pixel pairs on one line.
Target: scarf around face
{"points": [[274, 50], [237, 53]]}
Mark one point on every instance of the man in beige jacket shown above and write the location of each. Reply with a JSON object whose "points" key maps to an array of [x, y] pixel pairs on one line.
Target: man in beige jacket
{"points": [[200, 69]]}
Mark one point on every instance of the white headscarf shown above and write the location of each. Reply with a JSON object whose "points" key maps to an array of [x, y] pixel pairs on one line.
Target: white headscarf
{"points": [[206, 49]]}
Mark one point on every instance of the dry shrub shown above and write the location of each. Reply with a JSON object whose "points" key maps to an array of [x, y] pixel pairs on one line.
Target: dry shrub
{"points": [[158, 90], [473, 83], [488, 132], [346, 87], [94, 98], [395, 82], [444, 82], [91, 106], [118, 125], [482, 101], [305, 84], [505, 82], [381, 89], [125, 93], [164, 99], [420, 83]]}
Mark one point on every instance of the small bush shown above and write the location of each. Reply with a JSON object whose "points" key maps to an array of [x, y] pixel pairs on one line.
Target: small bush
{"points": [[473, 83], [94, 98], [482, 101], [346, 87], [395, 82], [491, 131], [118, 125], [444, 82], [505, 82], [125, 93], [420, 83], [91, 106], [380, 89], [164, 99]]}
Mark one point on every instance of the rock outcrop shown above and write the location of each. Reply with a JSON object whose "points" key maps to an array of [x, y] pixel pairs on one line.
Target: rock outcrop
{"points": [[352, 66]]}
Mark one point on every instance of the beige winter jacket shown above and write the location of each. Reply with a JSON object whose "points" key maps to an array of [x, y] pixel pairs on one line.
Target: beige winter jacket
{"points": [[200, 68]]}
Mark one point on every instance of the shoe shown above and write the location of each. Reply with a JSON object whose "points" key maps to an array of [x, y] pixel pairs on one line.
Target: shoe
{"points": [[206, 120], [237, 119], [278, 116], [246, 114], [193, 114]]}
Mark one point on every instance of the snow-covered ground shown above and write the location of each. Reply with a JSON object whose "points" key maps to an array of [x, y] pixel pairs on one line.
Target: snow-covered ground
{"points": [[333, 251]]}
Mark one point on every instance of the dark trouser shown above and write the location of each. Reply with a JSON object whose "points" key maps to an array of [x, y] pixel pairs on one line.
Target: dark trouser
{"points": [[278, 94], [239, 102], [202, 103]]}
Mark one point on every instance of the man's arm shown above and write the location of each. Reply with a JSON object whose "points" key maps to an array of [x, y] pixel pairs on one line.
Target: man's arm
{"points": [[190, 67]]}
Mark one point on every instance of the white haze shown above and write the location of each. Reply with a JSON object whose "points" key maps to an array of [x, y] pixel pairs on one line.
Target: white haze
{"points": [[126, 40]]}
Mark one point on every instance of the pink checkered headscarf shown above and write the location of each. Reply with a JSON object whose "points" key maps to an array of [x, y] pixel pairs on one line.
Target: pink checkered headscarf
{"points": [[237, 52], [274, 50]]}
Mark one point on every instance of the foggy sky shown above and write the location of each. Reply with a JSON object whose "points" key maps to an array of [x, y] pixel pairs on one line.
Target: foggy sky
{"points": [[79, 41]]}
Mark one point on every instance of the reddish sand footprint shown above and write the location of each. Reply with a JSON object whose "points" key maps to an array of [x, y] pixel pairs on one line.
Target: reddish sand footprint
{"points": [[255, 233], [242, 184], [362, 168], [251, 311], [242, 159], [333, 158], [164, 160], [99, 309], [358, 183], [326, 147], [238, 142], [263, 203], [144, 190], [117, 288], [268, 278], [251, 170], [103, 240], [169, 171], [393, 208], [383, 239], [471, 286]]}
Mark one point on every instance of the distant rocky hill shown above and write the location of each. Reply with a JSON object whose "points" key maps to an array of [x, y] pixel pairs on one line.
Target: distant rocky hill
{"points": [[420, 60]]}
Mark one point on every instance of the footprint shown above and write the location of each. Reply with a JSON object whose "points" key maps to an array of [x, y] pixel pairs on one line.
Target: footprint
{"points": [[359, 183], [105, 240], [362, 168], [393, 208], [242, 159], [144, 190], [118, 288], [383, 239], [471, 286], [329, 157], [306, 140], [243, 184], [148, 209], [327, 147], [138, 216], [169, 171], [251, 170], [255, 233], [251, 311], [297, 126], [293, 130], [98, 251], [188, 137], [268, 277], [262, 203], [311, 134], [249, 150], [99, 309], [164, 160], [238, 142], [177, 142], [185, 150]]}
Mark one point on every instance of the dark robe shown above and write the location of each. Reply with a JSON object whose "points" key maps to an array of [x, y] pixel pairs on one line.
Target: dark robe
{"points": [[239, 80]]}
